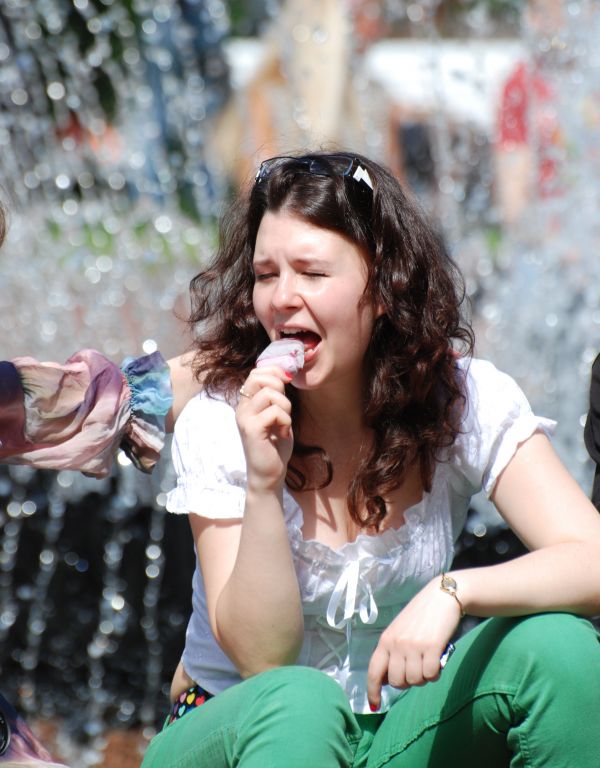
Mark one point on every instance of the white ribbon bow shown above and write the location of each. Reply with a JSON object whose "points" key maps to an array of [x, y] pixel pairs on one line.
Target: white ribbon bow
{"points": [[348, 583]]}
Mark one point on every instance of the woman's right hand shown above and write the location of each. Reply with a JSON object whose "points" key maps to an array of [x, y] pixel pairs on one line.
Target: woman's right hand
{"points": [[264, 420]]}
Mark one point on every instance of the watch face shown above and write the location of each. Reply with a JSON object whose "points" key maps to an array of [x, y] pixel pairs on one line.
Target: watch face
{"points": [[448, 583], [4, 734]]}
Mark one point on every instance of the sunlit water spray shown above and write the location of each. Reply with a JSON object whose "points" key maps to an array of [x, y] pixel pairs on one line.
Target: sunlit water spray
{"points": [[113, 212]]}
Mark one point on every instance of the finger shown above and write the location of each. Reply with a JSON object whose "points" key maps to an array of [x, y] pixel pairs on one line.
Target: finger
{"points": [[272, 376], [253, 385], [267, 397], [397, 670], [431, 666], [377, 674], [413, 670], [276, 370], [273, 421]]}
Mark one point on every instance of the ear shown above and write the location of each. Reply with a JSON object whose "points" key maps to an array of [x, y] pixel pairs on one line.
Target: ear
{"points": [[379, 310]]}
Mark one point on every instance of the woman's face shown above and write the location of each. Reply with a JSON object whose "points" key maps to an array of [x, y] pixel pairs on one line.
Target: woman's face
{"points": [[309, 283]]}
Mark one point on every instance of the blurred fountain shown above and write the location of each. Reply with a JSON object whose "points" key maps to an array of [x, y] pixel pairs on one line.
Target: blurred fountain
{"points": [[103, 106], [111, 207], [109, 174], [540, 315], [532, 280]]}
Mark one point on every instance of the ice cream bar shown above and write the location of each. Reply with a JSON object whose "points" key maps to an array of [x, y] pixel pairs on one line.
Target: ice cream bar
{"points": [[286, 353]]}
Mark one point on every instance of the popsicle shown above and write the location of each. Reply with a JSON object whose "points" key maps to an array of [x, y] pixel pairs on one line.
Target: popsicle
{"points": [[286, 353]]}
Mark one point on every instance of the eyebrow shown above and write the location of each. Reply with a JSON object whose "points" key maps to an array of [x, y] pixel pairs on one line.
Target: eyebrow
{"points": [[262, 261]]}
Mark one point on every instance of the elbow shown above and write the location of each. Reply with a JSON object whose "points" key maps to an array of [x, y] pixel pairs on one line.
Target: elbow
{"points": [[254, 652]]}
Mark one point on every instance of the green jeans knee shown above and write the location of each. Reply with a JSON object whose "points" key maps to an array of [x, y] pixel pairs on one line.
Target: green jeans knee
{"points": [[291, 716], [519, 692]]}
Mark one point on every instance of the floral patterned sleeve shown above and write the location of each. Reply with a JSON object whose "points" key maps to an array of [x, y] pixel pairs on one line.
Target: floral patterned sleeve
{"points": [[76, 415]]}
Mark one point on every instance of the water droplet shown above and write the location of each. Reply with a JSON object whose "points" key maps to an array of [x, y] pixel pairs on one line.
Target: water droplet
{"points": [[153, 552], [71, 558], [29, 507], [501, 547], [149, 27], [116, 181], [62, 181], [70, 207], [33, 30], [117, 603], [56, 91], [19, 97], [65, 479], [163, 224], [131, 56], [104, 263], [415, 13], [13, 509], [94, 25], [93, 275], [152, 571], [46, 557]]}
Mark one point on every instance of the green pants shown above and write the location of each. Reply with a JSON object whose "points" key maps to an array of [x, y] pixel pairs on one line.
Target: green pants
{"points": [[518, 692]]}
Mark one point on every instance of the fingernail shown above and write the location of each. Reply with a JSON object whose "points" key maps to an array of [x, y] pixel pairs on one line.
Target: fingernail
{"points": [[289, 375], [373, 707]]}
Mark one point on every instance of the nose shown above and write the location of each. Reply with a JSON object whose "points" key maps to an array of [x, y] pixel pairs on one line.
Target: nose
{"points": [[285, 293]]}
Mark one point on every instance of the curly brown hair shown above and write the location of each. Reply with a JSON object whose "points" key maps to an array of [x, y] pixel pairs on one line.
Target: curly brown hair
{"points": [[413, 397]]}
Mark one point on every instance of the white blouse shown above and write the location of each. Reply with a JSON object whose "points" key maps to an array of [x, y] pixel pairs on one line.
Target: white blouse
{"points": [[351, 594]]}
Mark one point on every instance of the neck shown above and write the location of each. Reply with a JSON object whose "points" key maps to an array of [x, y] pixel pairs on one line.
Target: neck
{"points": [[335, 417]]}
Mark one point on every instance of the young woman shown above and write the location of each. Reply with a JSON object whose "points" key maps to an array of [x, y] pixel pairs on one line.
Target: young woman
{"points": [[324, 507]]}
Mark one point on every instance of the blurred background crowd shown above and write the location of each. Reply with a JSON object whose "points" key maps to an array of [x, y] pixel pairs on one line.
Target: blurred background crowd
{"points": [[125, 125]]}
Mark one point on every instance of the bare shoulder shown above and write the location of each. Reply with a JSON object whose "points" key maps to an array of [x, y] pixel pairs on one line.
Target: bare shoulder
{"points": [[184, 382]]}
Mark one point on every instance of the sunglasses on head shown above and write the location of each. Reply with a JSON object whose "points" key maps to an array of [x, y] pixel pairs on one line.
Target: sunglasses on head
{"points": [[317, 166]]}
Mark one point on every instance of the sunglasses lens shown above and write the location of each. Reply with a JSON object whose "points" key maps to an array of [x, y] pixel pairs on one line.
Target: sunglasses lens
{"points": [[334, 165]]}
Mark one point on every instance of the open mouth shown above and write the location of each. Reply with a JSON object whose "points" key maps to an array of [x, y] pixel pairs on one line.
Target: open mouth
{"points": [[310, 340]]}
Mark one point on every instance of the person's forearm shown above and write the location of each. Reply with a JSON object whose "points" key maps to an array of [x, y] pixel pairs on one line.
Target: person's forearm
{"points": [[259, 612], [562, 577]]}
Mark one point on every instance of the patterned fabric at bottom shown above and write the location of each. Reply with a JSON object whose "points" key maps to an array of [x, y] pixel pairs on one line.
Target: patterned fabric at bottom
{"points": [[186, 701]]}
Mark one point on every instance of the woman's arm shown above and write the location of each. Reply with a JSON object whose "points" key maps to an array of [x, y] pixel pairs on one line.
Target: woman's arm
{"points": [[553, 517], [251, 585], [550, 513]]}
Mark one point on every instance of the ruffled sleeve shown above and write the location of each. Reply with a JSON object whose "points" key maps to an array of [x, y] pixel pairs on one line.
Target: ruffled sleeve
{"points": [[76, 415], [209, 462], [497, 419]]}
